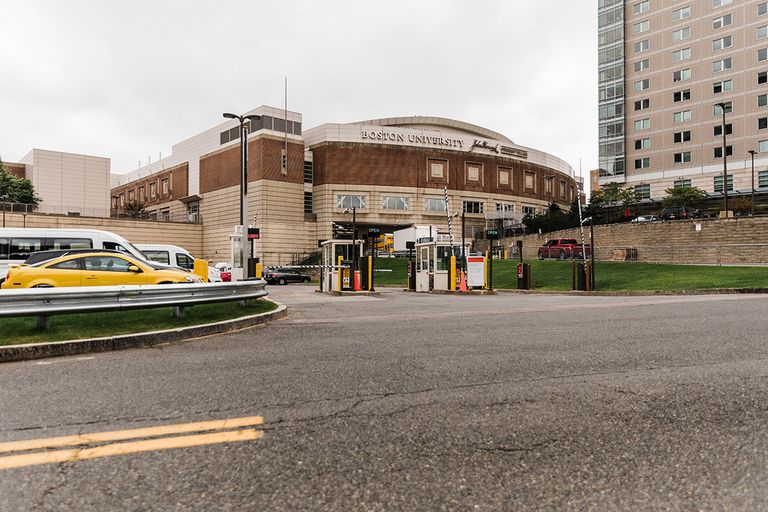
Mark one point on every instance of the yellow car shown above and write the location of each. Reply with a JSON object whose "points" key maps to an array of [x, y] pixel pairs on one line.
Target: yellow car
{"points": [[92, 269]]}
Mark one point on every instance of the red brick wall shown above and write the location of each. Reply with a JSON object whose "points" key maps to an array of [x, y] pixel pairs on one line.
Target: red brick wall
{"points": [[16, 169], [178, 181]]}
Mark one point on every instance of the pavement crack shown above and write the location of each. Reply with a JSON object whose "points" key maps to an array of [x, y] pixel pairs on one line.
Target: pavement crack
{"points": [[520, 449], [61, 473]]}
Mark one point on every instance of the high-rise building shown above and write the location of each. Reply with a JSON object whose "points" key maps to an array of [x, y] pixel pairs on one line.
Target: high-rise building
{"points": [[673, 76]]}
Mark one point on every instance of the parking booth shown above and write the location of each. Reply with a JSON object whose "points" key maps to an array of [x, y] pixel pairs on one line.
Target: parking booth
{"points": [[251, 267], [336, 265], [436, 263]]}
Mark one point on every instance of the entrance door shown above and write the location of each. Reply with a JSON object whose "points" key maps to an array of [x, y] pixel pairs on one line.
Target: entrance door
{"points": [[423, 267]]}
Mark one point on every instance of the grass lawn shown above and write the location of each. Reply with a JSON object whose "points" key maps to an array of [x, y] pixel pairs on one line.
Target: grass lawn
{"points": [[15, 331], [554, 275]]}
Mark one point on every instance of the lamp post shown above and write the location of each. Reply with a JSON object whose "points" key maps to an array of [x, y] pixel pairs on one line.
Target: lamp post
{"points": [[4, 198], [243, 187], [752, 154], [725, 161]]}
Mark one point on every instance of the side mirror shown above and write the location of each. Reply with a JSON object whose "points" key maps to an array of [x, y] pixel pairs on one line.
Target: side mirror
{"points": [[134, 268]]}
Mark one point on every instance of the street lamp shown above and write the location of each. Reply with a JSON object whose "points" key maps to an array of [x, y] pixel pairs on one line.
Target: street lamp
{"points": [[725, 161], [752, 154], [243, 186], [4, 198]]}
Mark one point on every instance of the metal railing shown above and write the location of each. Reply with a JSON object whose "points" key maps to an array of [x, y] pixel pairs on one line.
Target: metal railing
{"points": [[45, 302]]}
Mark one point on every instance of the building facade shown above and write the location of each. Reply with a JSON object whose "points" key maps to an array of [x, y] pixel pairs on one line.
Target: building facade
{"points": [[305, 186], [668, 71]]}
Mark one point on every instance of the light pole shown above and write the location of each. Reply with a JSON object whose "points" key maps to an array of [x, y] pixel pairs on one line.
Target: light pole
{"points": [[752, 154], [725, 161], [243, 187], [4, 198]]}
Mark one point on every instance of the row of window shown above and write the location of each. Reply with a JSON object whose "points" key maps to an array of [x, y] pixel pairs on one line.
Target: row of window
{"points": [[683, 13], [685, 116], [686, 74], [685, 157], [644, 190], [264, 123], [120, 200], [431, 204]]}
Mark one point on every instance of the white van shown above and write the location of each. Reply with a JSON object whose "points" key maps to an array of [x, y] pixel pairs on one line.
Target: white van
{"points": [[176, 256], [16, 244]]}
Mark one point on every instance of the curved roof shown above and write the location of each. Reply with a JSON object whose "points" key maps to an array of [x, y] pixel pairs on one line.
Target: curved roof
{"points": [[443, 122]]}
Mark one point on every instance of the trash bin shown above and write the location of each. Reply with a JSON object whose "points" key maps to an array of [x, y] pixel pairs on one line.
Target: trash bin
{"points": [[581, 276], [523, 276], [252, 267]]}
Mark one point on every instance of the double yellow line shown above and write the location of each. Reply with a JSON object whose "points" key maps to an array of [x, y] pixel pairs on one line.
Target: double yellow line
{"points": [[121, 448]]}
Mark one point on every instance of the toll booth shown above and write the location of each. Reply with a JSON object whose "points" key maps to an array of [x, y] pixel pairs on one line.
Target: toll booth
{"points": [[437, 264], [336, 265], [252, 264]]}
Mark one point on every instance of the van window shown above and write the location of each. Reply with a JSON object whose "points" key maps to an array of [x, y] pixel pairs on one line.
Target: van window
{"points": [[70, 243], [159, 256], [21, 248], [114, 246], [185, 261], [3, 248]]}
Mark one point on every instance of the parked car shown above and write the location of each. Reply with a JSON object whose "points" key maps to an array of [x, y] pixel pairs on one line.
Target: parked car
{"points": [[679, 212], [562, 249], [176, 256], [284, 276], [225, 270], [95, 268], [645, 218]]}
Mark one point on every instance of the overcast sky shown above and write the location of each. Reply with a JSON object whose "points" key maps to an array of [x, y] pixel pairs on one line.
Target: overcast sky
{"points": [[126, 80]]}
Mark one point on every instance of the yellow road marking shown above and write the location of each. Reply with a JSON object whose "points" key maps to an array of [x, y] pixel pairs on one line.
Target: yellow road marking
{"points": [[121, 435], [32, 459]]}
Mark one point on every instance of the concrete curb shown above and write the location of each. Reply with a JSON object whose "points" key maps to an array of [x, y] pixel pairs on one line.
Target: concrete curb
{"points": [[709, 291], [13, 353]]}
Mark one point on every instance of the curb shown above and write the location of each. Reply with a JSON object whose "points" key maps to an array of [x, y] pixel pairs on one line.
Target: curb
{"points": [[706, 291], [15, 353]]}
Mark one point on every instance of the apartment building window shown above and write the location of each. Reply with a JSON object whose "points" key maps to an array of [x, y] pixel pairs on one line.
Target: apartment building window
{"points": [[762, 146], [642, 124], [307, 202], [643, 191], [762, 54], [642, 104], [762, 123], [350, 201], [643, 143], [683, 95], [762, 77], [722, 43], [682, 158], [722, 65], [682, 184], [642, 163], [642, 65], [684, 136], [530, 181], [473, 207], [395, 203], [153, 190], [724, 86], [683, 54], [641, 7], [718, 111], [718, 129], [681, 117], [722, 21], [641, 85], [681, 75], [718, 183], [762, 9], [720, 3], [682, 13], [762, 100], [641, 27], [719, 151], [642, 46], [680, 34], [762, 32], [434, 204]]}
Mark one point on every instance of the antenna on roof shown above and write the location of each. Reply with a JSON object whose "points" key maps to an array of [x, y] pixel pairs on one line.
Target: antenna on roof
{"points": [[162, 164]]}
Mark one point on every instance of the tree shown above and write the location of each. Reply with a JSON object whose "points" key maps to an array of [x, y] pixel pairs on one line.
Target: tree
{"points": [[552, 219], [15, 189], [611, 202], [684, 196], [134, 210]]}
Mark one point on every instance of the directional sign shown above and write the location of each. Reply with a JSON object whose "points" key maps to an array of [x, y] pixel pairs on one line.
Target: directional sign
{"points": [[492, 234]]}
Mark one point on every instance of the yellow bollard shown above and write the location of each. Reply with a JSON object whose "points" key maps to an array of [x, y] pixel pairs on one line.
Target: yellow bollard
{"points": [[200, 269], [259, 270], [485, 271], [341, 276], [452, 274], [370, 273]]}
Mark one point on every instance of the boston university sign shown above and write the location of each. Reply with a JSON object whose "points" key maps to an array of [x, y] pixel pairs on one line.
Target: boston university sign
{"points": [[389, 135]]}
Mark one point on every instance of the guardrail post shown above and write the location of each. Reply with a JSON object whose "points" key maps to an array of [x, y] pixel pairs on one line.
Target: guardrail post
{"points": [[178, 311], [43, 323]]}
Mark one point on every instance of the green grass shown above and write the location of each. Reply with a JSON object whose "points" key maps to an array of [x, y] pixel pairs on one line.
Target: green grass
{"points": [[15, 331], [553, 275]]}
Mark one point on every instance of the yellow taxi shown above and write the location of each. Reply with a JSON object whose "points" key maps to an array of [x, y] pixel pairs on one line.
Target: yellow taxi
{"points": [[93, 269]]}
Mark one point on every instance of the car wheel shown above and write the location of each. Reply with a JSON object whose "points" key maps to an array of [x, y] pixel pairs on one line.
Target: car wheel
{"points": [[561, 255], [281, 281], [541, 255]]}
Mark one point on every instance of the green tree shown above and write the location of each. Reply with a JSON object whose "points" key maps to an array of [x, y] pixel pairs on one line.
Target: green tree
{"points": [[684, 196], [134, 210], [610, 203], [16, 190]]}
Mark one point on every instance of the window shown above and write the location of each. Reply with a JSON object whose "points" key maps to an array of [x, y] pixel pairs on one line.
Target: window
{"points": [[158, 256], [350, 201], [682, 117], [436, 169], [164, 186], [229, 135], [548, 180], [683, 54], [762, 32], [718, 183], [722, 21], [395, 203], [722, 65], [762, 100], [762, 54], [474, 172], [642, 104], [762, 179], [683, 74], [720, 3], [643, 191], [106, 264], [642, 46], [505, 207], [762, 123], [681, 95], [122, 198], [642, 85], [530, 181], [719, 151], [184, 261], [762, 8], [642, 163], [434, 204], [642, 124], [717, 110], [307, 202], [308, 171], [724, 86], [153, 190], [682, 183], [722, 43], [529, 210], [68, 265], [682, 158], [762, 146], [683, 33], [683, 136], [681, 14], [762, 77], [131, 196], [142, 195], [643, 143], [640, 27], [562, 189], [641, 7], [642, 65], [505, 176], [473, 207], [718, 129]]}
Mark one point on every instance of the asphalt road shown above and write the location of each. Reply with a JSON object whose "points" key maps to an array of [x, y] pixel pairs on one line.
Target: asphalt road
{"points": [[414, 402]]}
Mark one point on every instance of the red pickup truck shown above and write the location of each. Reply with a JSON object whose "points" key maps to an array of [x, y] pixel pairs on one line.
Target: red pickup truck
{"points": [[563, 249]]}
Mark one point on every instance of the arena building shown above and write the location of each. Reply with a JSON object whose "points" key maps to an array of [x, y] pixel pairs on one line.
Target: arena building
{"points": [[303, 186]]}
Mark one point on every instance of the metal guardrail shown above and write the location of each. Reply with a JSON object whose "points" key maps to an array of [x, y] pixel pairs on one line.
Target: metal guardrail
{"points": [[45, 302]]}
